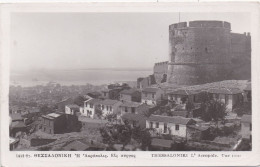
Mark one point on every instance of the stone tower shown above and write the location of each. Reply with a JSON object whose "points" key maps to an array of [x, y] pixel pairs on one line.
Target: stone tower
{"points": [[199, 52]]}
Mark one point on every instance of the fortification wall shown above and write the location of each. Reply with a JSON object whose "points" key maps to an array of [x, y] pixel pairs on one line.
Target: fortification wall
{"points": [[198, 51], [160, 71]]}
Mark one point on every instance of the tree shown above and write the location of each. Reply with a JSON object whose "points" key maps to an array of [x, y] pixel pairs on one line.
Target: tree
{"points": [[213, 110], [79, 100], [98, 112], [111, 117], [145, 139]]}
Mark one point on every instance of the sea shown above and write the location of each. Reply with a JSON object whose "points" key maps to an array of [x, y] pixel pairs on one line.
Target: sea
{"points": [[76, 77]]}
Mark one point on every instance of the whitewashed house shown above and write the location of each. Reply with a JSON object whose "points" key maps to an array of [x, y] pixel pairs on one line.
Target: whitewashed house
{"points": [[71, 109], [90, 107], [109, 106], [229, 96], [150, 96], [176, 125]]}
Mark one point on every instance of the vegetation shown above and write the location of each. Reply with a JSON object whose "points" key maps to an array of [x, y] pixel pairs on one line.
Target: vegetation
{"points": [[213, 110], [123, 134]]}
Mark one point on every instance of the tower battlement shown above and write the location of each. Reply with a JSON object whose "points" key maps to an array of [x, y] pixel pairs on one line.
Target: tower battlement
{"points": [[202, 24], [202, 51]]}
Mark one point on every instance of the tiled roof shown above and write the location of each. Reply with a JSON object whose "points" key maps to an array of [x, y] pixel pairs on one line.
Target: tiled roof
{"points": [[108, 102], [168, 119], [94, 101], [246, 118], [76, 146], [73, 106], [229, 91], [129, 91], [182, 92], [179, 113], [52, 115], [16, 116], [200, 128], [150, 90], [18, 124], [248, 87], [161, 143], [134, 117], [130, 104]]}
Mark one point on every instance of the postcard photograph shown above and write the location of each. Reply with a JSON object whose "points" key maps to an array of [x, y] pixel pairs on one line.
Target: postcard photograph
{"points": [[173, 81]]}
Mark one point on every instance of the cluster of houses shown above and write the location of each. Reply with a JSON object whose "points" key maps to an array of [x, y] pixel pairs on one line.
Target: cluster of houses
{"points": [[142, 107], [139, 106]]}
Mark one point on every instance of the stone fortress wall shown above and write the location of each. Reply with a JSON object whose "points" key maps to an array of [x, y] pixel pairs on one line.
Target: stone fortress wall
{"points": [[202, 52], [160, 71]]}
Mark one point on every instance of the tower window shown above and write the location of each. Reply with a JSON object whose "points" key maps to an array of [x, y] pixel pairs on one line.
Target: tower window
{"points": [[206, 49]]}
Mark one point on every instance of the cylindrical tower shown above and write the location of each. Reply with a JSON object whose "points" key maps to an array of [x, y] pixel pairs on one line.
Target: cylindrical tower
{"points": [[198, 52]]}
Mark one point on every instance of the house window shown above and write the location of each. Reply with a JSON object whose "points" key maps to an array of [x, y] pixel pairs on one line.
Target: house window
{"points": [[165, 128], [153, 95], [90, 112], [102, 107], [157, 124], [50, 130], [107, 108], [91, 105], [151, 124], [125, 109], [110, 108], [133, 110], [177, 127]]}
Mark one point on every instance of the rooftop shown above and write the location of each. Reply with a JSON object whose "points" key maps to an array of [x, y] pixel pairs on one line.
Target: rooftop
{"points": [[129, 91], [73, 106], [246, 118], [134, 117], [248, 87], [182, 92], [52, 115], [76, 145], [168, 119], [108, 102], [130, 104], [16, 116], [229, 91], [150, 90], [93, 101]]}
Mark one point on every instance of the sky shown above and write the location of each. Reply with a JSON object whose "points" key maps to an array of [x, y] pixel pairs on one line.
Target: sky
{"points": [[99, 40]]}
